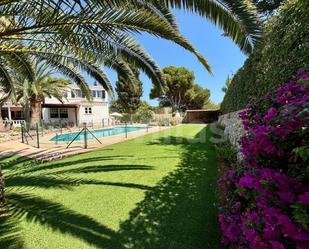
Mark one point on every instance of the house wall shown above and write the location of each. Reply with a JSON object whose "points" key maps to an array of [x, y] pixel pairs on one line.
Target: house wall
{"points": [[100, 108], [99, 105], [70, 99], [99, 112], [46, 116]]}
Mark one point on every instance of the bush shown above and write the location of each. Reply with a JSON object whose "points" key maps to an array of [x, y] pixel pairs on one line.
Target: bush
{"points": [[283, 51], [267, 205], [226, 152], [145, 116], [164, 122]]}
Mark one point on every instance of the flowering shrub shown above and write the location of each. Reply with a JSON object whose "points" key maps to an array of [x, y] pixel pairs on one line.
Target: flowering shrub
{"points": [[267, 205]]}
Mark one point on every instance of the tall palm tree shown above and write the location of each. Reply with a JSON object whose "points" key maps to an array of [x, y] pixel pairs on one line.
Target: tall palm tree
{"points": [[86, 34], [32, 94], [70, 32]]}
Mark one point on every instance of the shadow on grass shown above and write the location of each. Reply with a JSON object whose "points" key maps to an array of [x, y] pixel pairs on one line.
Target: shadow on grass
{"points": [[21, 178], [181, 211], [61, 219], [10, 232], [62, 182], [32, 166], [105, 168]]}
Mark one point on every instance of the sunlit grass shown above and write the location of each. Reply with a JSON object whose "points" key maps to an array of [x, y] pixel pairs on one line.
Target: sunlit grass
{"points": [[152, 192]]}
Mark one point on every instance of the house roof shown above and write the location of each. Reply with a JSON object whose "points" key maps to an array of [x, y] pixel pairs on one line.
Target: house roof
{"points": [[75, 105], [203, 110], [70, 105], [91, 87]]}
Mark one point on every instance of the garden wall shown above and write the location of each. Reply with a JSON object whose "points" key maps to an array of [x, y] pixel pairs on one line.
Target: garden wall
{"points": [[201, 116], [233, 127]]}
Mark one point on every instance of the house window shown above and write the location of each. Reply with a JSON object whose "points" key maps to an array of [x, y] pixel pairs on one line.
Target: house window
{"points": [[58, 113], [63, 112], [53, 112], [98, 94], [77, 93], [88, 110], [17, 115]]}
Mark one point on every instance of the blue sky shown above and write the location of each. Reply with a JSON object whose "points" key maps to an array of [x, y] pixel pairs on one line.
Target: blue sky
{"points": [[222, 54]]}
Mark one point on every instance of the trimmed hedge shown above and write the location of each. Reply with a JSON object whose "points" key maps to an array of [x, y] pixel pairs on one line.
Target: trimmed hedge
{"points": [[284, 50]]}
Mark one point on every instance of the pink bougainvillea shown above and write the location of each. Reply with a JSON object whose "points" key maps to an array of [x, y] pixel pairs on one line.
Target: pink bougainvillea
{"points": [[268, 198]]}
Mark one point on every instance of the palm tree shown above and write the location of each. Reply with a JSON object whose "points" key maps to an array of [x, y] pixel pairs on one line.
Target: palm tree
{"points": [[70, 32], [2, 199], [227, 84], [86, 34], [32, 94]]}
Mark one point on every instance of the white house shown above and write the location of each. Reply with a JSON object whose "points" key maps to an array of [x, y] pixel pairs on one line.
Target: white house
{"points": [[73, 111]]}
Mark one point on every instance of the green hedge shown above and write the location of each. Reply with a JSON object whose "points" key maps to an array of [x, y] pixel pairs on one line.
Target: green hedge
{"points": [[284, 49]]}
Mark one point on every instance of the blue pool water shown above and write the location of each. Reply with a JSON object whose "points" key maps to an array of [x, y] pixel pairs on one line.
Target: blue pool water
{"points": [[98, 133]]}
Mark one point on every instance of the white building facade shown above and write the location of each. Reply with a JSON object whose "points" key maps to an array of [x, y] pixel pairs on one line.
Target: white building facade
{"points": [[74, 110]]}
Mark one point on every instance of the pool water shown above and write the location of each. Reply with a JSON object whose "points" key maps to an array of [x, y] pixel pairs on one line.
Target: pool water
{"points": [[98, 133]]}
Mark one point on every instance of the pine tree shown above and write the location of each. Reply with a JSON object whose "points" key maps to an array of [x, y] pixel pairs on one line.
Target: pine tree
{"points": [[129, 93]]}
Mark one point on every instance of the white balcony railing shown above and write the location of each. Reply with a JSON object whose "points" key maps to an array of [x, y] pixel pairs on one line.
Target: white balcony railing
{"points": [[13, 123]]}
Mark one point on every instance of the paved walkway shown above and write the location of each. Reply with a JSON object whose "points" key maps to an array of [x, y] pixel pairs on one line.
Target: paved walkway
{"points": [[51, 151]]}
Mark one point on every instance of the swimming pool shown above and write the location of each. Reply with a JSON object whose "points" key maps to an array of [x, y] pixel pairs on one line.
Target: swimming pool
{"points": [[98, 133]]}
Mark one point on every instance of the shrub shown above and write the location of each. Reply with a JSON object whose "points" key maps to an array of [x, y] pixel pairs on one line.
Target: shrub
{"points": [[283, 51], [164, 122], [226, 152], [144, 116], [268, 200]]}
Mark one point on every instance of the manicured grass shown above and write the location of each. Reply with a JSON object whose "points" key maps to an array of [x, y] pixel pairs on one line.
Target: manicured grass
{"points": [[155, 192]]}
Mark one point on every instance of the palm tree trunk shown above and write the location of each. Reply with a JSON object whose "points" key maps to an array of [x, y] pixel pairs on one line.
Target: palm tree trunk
{"points": [[2, 197], [2, 128], [36, 109]]}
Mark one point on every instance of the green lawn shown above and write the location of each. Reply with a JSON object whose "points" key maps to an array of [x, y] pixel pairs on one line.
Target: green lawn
{"points": [[155, 192]]}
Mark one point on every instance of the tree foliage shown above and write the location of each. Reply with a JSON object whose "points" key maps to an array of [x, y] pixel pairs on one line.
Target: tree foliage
{"points": [[267, 7], [228, 82], [197, 97], [31, 94], [180, 92], [283, 51], [87, 34], [129, 92], [144, 113], [212, 106], [178, 81]]}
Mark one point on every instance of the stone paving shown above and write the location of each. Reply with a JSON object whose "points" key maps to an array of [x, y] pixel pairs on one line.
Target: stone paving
{"points": [[49, 150]]}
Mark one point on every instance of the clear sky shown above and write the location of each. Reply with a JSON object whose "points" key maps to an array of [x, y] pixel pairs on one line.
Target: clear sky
{"points": [[222, 54]]}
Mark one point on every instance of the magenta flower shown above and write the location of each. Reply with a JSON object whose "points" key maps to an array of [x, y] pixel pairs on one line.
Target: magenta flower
{"points": [[302, 74], [263, 191], [247, 181], [270, 114], [304, 198], [276, 245]]}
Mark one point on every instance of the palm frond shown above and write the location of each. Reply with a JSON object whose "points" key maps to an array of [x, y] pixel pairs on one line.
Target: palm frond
{"points": [[238, 18], [10, 230]]}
